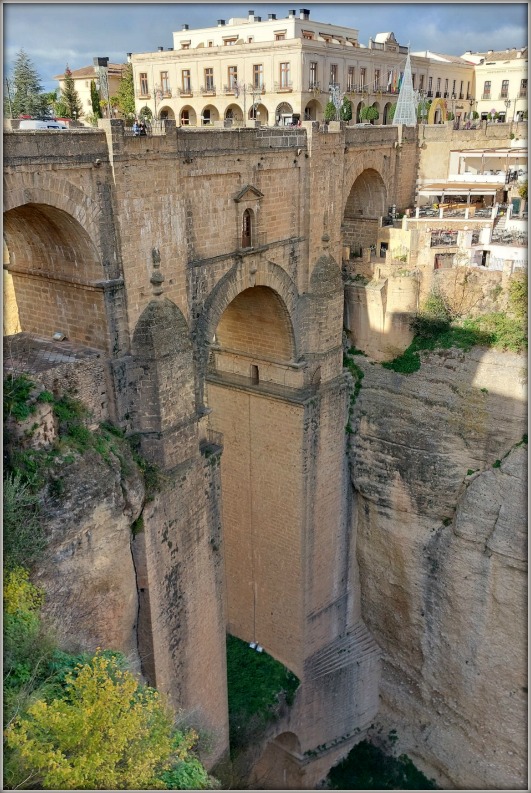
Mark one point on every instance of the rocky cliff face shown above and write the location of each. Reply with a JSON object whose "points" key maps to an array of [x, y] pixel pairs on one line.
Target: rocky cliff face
{"points": [[88, 570], [440, 484]]}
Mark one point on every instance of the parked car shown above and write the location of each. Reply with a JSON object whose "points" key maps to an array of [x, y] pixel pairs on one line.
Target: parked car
{"points": [[34, 124]]}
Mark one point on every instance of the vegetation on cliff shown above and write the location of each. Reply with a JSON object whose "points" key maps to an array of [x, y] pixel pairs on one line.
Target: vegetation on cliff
{"points": [[71, 721], [369, 766], [258, 685], [441, 324]]}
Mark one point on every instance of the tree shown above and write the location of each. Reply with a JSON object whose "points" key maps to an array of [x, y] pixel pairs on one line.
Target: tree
{"points": [[369, 113], [125, 96], [95, 99], [330, 111], [25, 89], [108, 732], [391, 112], [70, 97], [345, 111]]}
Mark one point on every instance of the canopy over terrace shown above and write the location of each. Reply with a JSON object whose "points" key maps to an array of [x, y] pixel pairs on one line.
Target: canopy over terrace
{"points": [[461, 188]]}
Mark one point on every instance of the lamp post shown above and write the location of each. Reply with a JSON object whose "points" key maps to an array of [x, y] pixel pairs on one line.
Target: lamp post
{"points": [[471, 104], [507, 103]]}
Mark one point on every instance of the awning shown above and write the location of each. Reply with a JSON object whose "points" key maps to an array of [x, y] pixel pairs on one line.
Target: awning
{"points": [[461, 188]]}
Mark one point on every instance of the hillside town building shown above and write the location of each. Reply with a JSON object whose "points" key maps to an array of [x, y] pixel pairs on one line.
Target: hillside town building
{"points": [[500, 83], [251, 70], [86, 74]]}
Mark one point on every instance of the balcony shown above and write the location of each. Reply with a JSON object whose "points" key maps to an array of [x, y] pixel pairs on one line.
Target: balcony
{"points": [[230, 89], [256, 89], [522, 93], [429, 94], [503, 95], [186, 91], [486, 96], [284, 87], [437, 94], [208, 90], [315, 86], [167, 93], [140, 93]]}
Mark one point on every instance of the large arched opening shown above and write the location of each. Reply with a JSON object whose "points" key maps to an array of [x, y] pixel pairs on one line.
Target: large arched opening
{"points": [[365, 205], [53, 277], [260, 416], [281, 765], [313, 111]]}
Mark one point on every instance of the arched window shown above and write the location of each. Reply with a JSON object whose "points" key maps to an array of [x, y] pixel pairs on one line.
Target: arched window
{"points": [[185, 118], [247, 228], [206, 116]]}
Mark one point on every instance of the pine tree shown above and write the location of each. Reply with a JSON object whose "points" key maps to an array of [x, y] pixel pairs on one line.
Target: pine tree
{"points": [[125, 96], [70, 97], [26, 87], [95, 100]]}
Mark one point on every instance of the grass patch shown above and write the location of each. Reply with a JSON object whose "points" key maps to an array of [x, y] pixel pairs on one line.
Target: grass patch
{"points": [[369, 767], [257, 685]]}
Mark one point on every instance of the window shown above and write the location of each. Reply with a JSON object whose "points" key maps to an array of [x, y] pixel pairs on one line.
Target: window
{"points": [[250, 39], [453, 87], [430, 84], [468, 90], [206, 116], [209, 79], [523, 88], [333, 73], [285, 75], [280, 36], [307, 34], [230, 42], [313, 74], [258, 75], [210, 43], [186, 81], [421, 82], [438, 85], [247, 228], [505, 89], [376, 79], [413, 80], [185, 45], [144, 91], [350, 78], [461, 90], [233, 76], [185, 118], [363, 77], [165, 83], [486, 89], [446, 86]]}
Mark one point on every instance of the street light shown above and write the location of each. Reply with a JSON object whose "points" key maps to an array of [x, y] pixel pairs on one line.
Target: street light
{"points": [[471, 103], [507, 103]]}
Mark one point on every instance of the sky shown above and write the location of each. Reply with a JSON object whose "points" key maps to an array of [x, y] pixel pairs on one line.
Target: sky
{"points": [[56, 34]]}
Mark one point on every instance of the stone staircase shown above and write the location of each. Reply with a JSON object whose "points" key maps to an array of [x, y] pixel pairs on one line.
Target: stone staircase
{"points": [[355, 646]]}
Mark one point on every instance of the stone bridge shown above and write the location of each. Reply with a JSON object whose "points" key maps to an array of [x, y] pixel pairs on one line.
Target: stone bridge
{"points": [[204, 266]]}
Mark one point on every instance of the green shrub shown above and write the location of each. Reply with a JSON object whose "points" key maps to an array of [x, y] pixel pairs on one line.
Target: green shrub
{"points": [[369, 767], [23, 535], [15, 397]]}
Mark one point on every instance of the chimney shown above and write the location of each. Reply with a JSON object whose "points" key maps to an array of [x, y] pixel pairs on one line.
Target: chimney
{"points": [[129, 57], [271, 16], [291, 14], [304, 13], [258, 19], [170, 49], [221, 22], [251, 16], [160, 49], [185, 27]]}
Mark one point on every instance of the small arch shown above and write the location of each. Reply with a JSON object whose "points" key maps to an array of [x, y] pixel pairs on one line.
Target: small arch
{"points": [[313, 111], [234, 114], [166, 113], [187, 117], [209, 114], [283, 109], [359, 108], [386, 111]]}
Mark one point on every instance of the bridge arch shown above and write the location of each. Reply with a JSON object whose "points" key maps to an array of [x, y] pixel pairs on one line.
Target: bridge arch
{"points": [[365, 204], [281, 765], [55, 275]]}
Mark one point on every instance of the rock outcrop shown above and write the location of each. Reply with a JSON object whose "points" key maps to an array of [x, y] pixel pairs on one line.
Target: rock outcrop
{"points": [[439, 468], [88, 570]]}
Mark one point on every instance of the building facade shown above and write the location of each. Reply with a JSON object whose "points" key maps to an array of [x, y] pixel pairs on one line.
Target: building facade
{"points": [[500, 83], [277, 71], [85, 75]]}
